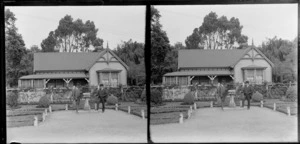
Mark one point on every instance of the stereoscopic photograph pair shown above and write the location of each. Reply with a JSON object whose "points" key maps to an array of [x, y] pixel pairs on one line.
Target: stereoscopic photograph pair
{"points": [[150, 72]]}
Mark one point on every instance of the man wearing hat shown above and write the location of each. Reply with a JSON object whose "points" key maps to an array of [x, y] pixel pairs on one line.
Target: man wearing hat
{"points": [[222, 93], [76, 94], [102, 95], [247, 91]]}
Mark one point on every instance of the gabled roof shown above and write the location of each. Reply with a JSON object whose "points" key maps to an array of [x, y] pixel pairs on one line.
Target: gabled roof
{"points": [[69, 61], [193, 58]]}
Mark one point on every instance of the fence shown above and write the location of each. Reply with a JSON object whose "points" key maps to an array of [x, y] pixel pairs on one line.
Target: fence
{"points": [[271, 91], [132, 93]]}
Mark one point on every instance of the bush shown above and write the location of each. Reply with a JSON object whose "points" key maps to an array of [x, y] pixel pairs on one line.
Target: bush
{"points": [[257, 97], [116, 92], [188, 99], [156, 97], [44, 102], [112, 100], [12, 99], [291, 94]]}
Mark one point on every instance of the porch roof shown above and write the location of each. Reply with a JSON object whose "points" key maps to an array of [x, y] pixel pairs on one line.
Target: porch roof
{"points": [[55, 76], [254, 67], [199, 73]]}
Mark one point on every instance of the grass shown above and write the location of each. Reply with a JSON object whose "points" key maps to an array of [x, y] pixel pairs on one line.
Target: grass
{"points": [[24, 115], [169, 113]]}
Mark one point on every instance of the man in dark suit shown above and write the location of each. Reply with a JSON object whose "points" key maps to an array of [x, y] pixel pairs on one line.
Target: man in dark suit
{"points": [[102, 95], [247, 91], [222, 93], [76, 94]]}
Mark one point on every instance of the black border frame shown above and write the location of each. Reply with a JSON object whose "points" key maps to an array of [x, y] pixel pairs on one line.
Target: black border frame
{"points": [[147, 53]]}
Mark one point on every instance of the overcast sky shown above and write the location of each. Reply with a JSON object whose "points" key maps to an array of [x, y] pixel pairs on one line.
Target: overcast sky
{"points": [[115, 23], [259, 21]]}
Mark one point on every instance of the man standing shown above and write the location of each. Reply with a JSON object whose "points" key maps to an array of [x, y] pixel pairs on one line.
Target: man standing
{"points": [[101, 94], [247, 91], [221, 91], [76, 94]]}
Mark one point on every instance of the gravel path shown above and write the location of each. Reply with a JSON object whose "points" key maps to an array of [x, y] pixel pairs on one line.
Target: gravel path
{"points": [[85, 127], [231, 125]]}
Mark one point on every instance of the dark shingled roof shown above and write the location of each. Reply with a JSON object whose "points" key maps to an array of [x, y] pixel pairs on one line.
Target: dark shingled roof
{"points": [[69, 61], [64, 61], [209, 58], [190, 58]]}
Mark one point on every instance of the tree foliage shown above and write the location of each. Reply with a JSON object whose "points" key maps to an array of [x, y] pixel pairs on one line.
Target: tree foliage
{"points": [[217, 33], [283, 54], [72, 36], [132, 53], [160, 47], [14, 50]]}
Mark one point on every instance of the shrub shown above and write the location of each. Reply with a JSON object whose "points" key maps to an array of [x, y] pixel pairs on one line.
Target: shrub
{"points": [[291, 94], [156, 97], [112, 100], [116, 92], [12, 99], [44, 102], [188, 99], [257, 97]]}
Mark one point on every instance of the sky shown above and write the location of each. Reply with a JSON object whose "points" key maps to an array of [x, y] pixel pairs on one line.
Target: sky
{"points": [[115, 23], [259, 21]]}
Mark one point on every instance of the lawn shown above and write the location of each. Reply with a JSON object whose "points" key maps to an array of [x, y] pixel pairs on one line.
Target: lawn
{"points": [[24, 116], [170, 111]]}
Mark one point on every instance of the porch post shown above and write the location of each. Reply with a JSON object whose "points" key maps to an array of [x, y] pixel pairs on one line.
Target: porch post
{"points": [[67, 81], [212, 78], [45, 82], [163, 80], [176, 78], [32, 83], [19, 83]]}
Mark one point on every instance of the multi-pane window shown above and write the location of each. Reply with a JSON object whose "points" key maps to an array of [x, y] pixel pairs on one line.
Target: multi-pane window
{"points": [[104, 78], [25, 83], [170, 80], [38, 83], [254, 75], [109, 78], [183, 80], [114, 79]]}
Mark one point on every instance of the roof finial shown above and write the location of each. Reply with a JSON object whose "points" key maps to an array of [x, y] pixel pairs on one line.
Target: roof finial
{"points": [[252, 43], [107, 45]]}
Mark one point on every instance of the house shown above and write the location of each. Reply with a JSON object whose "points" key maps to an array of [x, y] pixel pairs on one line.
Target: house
{"points": [[213, 66], [65, 69]]}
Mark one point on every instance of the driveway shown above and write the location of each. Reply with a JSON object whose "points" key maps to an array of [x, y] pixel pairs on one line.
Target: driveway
{"points": [[232, 125], [85, 127]]}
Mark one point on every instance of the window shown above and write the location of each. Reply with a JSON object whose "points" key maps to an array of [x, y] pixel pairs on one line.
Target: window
{"points": [[183, 80], [114, 79], [170, 80], [25, 83], [109, 78], [104, 78], [254, 76], [259, 76], [38, 83]]}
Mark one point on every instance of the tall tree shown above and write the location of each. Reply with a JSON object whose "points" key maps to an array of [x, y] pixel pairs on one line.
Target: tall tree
{"points": [[132, 53], [160, 47], [48, 44], [14, 50], [283, 54], [217, 33], [172, 57], [72, 36]]}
